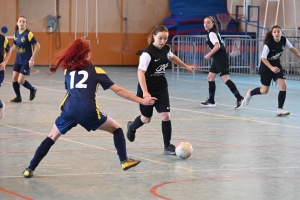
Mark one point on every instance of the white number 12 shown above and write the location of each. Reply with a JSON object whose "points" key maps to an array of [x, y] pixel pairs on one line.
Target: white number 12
{"points": [[80, 84]]}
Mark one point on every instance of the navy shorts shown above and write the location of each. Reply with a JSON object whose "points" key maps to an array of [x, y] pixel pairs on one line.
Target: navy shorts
{"points": [[64, 124], [2, 73], [219, 67], [162, 104], [22, 68]]}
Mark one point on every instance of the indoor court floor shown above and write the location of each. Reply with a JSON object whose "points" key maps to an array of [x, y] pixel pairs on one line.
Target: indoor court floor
{"points": [[243, 154]]}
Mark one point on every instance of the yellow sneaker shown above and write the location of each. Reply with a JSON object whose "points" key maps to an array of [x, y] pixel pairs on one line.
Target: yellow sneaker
{"points": [[28, 173], [129, 163]]}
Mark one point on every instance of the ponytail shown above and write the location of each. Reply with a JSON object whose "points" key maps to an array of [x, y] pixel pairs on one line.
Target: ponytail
{"points": [[157, 29]]}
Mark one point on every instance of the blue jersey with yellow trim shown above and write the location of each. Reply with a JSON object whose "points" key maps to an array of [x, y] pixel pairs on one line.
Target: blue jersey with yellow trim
{"points": [[25, 41], [80, 103], [4, 47]]}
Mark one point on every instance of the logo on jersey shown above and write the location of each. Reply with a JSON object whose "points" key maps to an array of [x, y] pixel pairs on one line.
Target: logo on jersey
{"points": [[276, 56], [23, 39], [156, 60], [160, 70]]}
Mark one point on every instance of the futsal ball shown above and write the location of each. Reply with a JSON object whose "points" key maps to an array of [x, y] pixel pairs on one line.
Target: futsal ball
{"points": [[183, 150]]}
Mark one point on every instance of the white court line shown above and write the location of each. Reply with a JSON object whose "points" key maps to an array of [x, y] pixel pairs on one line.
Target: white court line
{"points": [[150, 160]]}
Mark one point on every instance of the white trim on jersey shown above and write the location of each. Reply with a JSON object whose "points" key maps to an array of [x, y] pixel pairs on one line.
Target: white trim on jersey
{"points": [[213, 37], [266, 49], [145, 59]]}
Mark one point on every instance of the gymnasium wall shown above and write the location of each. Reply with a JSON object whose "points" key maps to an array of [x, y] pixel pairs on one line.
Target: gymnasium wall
{"points": [[117, 41]]}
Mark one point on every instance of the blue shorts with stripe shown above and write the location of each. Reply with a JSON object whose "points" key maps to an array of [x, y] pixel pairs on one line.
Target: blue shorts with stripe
{"points": [[65, 123]]}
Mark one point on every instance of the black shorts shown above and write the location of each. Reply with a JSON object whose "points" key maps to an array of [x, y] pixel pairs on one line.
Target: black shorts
{"points": [[267, 76], [162, 104], [22, 68], [220, 67]]}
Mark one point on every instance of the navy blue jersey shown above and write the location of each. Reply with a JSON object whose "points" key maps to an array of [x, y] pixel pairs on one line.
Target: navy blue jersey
{"points": [[155, 74], [80, 103], [221, 53], [24, 41], [4, 47]]}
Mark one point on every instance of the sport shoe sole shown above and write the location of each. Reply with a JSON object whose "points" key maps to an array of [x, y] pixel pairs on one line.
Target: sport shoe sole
{"points": [[32, 94], [129, 164], [247, 97], [283, 114], [28, 173], [130, 135], [242, 102], [16, 100], [208, 105]]}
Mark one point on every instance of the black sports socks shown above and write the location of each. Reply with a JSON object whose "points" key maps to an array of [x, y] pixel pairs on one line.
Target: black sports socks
{"points": [[281, 98], [233, 89], [212, 90], [120, 144], [255, 91], [137, 123], [166, 128], [40, 153]]}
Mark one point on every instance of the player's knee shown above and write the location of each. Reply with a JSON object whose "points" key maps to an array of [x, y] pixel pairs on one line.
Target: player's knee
{"points": [[146, 120], [264, 91], [165, 116]]}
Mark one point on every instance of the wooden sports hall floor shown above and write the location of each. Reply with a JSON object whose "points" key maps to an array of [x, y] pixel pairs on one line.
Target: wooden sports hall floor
{"points": [[238, 154]]}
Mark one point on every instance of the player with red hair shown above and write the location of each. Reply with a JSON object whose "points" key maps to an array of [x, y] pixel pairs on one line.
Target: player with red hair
{"points": [[80, 106]]}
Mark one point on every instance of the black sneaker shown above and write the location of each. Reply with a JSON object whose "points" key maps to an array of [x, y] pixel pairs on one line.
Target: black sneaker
{"points": [[239, 103], [208, 103], [170, 150], [130, 134], [28, 173], [32, 94], [127, 164], [16, 100]]}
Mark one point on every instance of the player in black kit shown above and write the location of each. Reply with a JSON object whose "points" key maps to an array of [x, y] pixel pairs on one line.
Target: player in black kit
{"points": [[220, 64], [270, 67], [152, 82]]}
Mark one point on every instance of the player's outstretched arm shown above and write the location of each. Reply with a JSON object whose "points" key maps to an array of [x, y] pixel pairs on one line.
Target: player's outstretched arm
{"points": [[128, 95], [295, 52], [179, 62]]}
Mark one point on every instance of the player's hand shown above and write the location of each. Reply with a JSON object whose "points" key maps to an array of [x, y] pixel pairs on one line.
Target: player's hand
{"points": [[146, 94], [191, 68], [2, 66], [147, 101], [207, 56], [275, 69], [31, 63]]}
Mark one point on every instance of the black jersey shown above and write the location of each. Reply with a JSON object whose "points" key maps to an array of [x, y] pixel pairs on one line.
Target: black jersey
{"points": [[4, 47], [275, 51], [221, 53], [155, 74]]}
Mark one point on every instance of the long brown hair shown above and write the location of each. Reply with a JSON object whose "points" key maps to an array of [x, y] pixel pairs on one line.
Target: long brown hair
{"points": [[157, 29], [16, 27], [269, 35], [74, 57]]}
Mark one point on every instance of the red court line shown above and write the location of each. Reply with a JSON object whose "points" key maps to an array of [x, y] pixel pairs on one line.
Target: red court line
{"points": [[154, 188], [15, 194]]}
